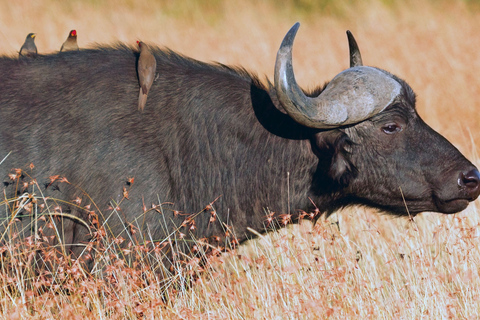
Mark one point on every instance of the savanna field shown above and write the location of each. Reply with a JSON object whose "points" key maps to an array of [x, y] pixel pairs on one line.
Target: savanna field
{"points": [[357, 264]]}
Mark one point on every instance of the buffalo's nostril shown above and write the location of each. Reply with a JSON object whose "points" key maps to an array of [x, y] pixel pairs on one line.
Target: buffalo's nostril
{"points": [[471, 182]]}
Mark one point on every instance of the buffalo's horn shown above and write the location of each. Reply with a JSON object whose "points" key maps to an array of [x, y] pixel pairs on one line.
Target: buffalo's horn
{"points": [[352, 96], [355, 56]]}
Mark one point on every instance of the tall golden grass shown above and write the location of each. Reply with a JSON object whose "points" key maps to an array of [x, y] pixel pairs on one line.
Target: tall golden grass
{"points": [[356, 264]]}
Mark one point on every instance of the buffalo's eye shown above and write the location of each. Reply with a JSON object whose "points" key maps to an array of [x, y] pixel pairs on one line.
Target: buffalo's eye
{"points": [[391, 128]]}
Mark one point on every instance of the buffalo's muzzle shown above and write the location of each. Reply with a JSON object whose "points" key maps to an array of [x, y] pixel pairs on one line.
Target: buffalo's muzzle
{"points": [[470, 182]]}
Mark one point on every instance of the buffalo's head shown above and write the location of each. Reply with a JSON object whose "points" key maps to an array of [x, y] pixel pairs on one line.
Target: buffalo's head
{"points": [[373, 147]]}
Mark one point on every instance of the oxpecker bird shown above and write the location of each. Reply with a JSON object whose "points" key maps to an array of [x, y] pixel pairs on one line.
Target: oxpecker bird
{"points": [[147, 67], [29, 49], [71, 43]]}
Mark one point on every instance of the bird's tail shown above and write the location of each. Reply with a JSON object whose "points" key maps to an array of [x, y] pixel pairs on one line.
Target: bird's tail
{"points": [[142, 100]]}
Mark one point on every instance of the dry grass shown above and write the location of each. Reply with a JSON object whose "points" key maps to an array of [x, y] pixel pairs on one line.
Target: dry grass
{"points": [[364, 266], [353, 265]]}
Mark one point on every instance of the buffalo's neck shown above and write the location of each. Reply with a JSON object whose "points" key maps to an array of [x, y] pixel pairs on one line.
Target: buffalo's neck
{"points": [[272, 171]]}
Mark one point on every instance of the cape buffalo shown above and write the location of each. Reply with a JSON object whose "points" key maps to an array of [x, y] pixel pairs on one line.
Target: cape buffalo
{"points": [[221, 150]]}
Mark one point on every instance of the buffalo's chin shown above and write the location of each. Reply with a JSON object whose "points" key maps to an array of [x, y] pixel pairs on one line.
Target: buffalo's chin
{"points": [[451, 206], [441, 206], [412, 208]]}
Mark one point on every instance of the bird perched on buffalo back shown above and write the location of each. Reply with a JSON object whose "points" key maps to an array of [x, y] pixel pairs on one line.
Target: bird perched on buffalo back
{"points": [[71, 43], [147, 66], [29, 49]]}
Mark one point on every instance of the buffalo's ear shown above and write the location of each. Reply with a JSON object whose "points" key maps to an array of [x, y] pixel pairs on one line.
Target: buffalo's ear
{"points": [[333, 150]]}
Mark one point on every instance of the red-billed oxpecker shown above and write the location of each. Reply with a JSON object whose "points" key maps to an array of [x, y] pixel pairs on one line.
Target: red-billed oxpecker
{"points": [[147, 66], [71, 43]]}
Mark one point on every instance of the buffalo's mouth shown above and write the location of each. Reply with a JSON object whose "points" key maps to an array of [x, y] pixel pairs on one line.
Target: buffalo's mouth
{"points": [[468, 184], [434, 204], [437, 205], [451, 206]]}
